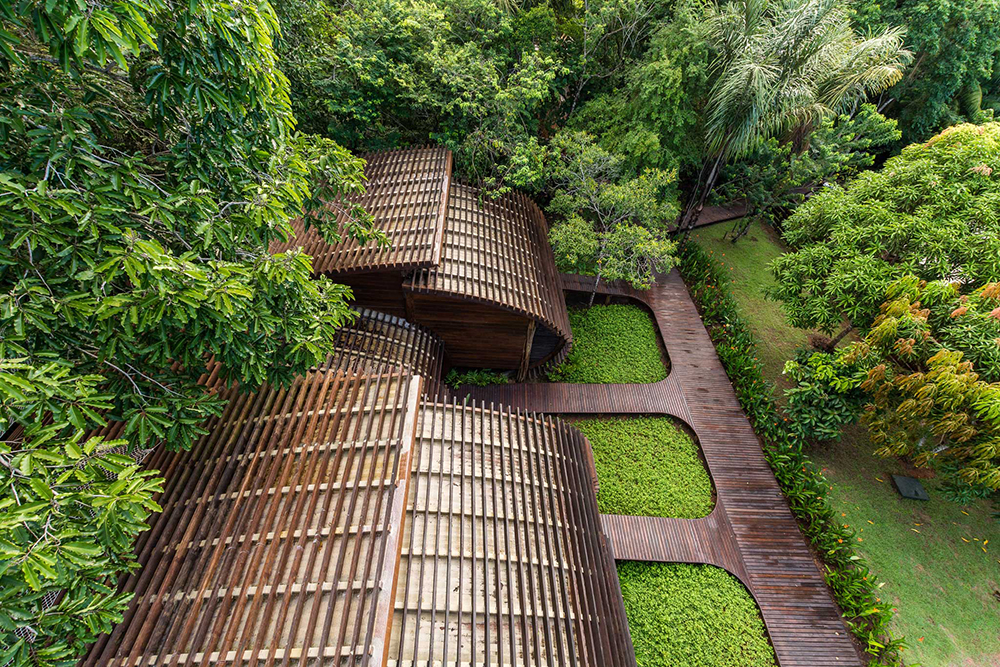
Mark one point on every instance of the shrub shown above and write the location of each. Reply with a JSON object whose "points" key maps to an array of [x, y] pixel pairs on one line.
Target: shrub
{"points": [[826, 396], [476, 377], [648, 466], [853, 585], [614, 343], [692, 615]]}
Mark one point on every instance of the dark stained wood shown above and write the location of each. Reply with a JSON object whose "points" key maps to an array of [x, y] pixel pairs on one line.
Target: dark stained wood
{"points": [[708, 540], [772, 557], [358, 517], [475, 334], [287, 508], [475, 270]]}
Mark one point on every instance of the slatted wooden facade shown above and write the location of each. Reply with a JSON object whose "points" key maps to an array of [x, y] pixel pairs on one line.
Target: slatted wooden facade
{"points": [[477, 271], [279, 535], [496, 254], [357, 517]]}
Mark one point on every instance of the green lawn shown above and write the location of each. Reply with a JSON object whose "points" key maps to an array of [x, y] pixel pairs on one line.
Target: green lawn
{"points": [[940, 560], [941, 584], [747, 261], [613, 343], [648, 467], [692, 616]]}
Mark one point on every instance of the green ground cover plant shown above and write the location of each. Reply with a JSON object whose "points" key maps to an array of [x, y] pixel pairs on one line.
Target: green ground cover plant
{"points": [[612, 343], [648, 466], [684, 615], [854, 585], [477, 377], [940, 585]]}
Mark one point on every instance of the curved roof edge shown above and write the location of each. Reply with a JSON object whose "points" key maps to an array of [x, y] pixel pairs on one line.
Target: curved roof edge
{"points": [[497, 252]]}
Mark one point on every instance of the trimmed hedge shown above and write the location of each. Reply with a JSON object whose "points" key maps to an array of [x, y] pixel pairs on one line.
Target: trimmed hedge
{"points": [[647, 466], [683, 615], [614, 343], [854, 586]]}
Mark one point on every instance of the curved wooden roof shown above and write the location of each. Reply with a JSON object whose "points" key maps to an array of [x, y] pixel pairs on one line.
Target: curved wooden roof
{"points": [[450, 239], [497, 252], [406, 193]]}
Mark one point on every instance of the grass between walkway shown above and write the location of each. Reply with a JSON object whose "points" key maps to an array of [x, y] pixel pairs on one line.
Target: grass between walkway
{"points": [[613, 343], [648, 466], [941, 585], [692, 616]]}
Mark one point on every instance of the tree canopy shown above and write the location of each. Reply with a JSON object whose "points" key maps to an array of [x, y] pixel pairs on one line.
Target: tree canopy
{"points": [[933, 211], [955, 76], [148, 155], [925, 380]]}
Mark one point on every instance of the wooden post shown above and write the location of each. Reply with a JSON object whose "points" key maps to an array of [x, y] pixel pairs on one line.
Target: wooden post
{"points": [[522, 372]]}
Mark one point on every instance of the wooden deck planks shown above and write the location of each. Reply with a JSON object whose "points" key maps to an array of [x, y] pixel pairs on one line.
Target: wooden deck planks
{"points": [[753, 533]]}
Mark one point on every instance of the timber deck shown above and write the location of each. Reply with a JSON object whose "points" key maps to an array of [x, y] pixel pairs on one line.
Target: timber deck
{"points": [[751, 532]]}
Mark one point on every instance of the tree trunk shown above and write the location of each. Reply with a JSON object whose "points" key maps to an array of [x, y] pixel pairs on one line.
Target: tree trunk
{"points": [[839, 337], [594, 293], [706, 183]]}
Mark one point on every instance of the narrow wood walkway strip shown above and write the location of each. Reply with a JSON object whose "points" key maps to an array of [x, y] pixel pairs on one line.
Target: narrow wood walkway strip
{"points": [[752, 533]]}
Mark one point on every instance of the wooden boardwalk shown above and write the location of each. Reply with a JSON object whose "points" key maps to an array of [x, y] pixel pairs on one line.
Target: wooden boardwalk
{"points": [[751, 533]]}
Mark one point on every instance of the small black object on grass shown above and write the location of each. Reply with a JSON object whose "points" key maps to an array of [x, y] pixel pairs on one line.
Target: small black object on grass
{"points": [[909, 487]]}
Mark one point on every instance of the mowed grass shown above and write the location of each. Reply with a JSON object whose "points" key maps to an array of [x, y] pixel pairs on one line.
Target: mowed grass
{"points": [[941, 585], [612, 343], [647, 466], [940, 561], [746, 263], [683, 615]]}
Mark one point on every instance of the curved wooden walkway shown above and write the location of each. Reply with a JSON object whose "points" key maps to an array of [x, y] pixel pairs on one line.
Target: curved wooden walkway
{"points": [[752, 533]]}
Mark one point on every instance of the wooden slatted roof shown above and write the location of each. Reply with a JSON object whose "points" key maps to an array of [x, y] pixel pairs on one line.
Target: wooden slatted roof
{"points": [[497, 252], [406, 193], [376, 341], [279, 535], [292, 532], [504, 561]]}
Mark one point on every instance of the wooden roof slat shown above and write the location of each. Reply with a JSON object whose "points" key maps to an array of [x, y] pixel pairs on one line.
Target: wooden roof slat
{"points": [[406, 193]]}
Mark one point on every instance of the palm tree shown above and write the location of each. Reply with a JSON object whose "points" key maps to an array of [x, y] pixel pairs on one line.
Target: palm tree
{"points": [[782, 65]]}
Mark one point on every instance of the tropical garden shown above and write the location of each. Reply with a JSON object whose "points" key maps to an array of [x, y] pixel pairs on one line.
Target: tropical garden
{"points": [[151, 151]]}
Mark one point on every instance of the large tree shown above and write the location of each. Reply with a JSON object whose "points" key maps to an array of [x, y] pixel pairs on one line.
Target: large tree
{"points": [[780, 67], [148, 156], [933, 211], [926, 381]]}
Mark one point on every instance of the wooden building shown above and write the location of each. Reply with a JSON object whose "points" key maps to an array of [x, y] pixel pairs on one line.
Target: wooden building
{"points": [[359, 517], [476, 271]]}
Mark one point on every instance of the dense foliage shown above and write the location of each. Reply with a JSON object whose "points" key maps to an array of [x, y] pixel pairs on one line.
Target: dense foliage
{"points": [[854, 586], [955, 76], [683, 615], [475, 377], [774, 178], [147, 158], [933, 211], [927, 374], [648, 466], [780, 68], [609, 225], [613, 343]]}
